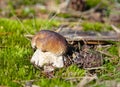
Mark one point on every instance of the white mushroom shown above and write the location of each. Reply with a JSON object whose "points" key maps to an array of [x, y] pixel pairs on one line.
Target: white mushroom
{"points": [[51, 47]]}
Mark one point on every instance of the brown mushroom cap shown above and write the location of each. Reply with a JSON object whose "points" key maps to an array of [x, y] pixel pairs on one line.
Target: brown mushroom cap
{"points": [[50, 41]]}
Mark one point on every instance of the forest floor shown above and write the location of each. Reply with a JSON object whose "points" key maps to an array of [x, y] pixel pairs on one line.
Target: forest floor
{"points": [[16, 51]]}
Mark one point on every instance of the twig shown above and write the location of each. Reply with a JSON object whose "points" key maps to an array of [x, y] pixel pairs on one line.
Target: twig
{"points": [[93, 68], [92, 38], [28, 36], [20, 22], [86, 80], [105, 53], [78, 13], [116, 29], [72, 78]]}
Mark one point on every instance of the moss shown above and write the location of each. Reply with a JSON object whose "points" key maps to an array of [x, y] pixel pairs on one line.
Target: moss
{"points": [[96, 26], [15, 50], [92, 3], [65, 15], [15, 54]]}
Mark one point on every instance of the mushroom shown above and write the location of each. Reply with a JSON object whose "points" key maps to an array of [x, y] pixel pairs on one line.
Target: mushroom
{"points": [[50, 48]]}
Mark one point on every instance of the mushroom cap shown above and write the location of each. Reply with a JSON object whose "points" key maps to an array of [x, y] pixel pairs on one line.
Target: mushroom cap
{"points": [[50, 41]]}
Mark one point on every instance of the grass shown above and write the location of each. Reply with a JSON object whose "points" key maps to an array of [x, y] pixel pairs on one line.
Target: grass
{"points": [[15, 54], [16, 51], [97, 26]]}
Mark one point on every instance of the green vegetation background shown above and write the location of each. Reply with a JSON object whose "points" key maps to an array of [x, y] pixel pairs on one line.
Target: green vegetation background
{"points": [[16, 51]]}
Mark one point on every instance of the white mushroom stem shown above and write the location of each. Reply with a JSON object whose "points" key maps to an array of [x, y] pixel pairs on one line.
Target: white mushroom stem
{"points": [[40, 58]]}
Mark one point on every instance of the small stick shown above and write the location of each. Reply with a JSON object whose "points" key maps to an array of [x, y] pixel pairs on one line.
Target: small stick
{"points": [[72, 78], [115, 29], [29, 36], [86, 80], [93, 68]]}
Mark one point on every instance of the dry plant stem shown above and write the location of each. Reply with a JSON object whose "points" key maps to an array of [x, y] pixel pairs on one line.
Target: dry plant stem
{"points": [[28, 36], [82, 38], [78, 13], [20, 23], [93, 38], [86, 80], [72, 78], [105, 53], [116, 29], [106, 47], [94, 68]]}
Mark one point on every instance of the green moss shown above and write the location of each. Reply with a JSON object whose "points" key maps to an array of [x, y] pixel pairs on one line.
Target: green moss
{"points": [[95, 26], [113, 50], [92, 3], [45, 82], [15, 50], [15, 54], [65, 15], [103, 3]]}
